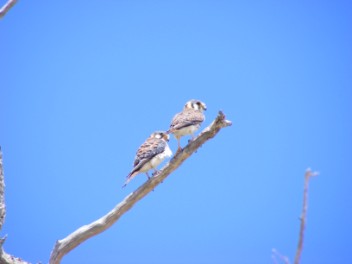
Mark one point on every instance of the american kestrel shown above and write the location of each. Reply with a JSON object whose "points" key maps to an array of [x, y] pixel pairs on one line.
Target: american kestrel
{"points": [[150, 154], [188, 121]]}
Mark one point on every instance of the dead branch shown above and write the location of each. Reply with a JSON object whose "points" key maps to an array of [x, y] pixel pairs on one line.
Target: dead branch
{"points": [[6, 7], [2, 193], [303, 217], [4, 257], [63, 246]]}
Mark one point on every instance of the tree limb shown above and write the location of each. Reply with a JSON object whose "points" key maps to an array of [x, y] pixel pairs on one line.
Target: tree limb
{"points": [[63, 246], [303, 220], [6, 7], [303, 217], [2, 193], [4, 257]]}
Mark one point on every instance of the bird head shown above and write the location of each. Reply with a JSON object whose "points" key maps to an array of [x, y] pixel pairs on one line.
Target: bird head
{"points": [[196, 105], [160, 135]]}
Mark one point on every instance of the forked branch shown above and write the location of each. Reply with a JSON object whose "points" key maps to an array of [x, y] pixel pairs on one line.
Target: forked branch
{"points": [[63, 246]]}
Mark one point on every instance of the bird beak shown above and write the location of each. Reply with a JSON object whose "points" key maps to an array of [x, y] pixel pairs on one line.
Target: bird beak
{"points": [[204, 107], [167, 137]]}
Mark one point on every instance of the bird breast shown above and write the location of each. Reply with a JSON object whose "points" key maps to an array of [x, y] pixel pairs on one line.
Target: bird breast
{"points": [[186, 130], [160, 157], [155, 161]]}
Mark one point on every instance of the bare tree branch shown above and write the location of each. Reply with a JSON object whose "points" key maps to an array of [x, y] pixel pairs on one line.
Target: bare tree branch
{"points": [[303, 220], [2, 193], [4, 257], [6, 7], [63, 246], [303, 217]]}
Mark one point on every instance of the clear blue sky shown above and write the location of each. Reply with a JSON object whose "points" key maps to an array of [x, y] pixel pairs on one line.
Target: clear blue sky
{"points": [[84, 83]]}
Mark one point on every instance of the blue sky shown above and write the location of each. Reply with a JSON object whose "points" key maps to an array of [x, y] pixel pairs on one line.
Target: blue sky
{"points": [[84, 83]]}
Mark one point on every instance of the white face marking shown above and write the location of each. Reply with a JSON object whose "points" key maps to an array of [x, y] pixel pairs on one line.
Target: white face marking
{"points": [[157, 136], [189, 105], [195, 106]]}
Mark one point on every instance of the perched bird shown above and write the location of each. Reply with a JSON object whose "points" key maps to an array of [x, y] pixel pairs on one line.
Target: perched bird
{"points": [[188, 121], [150, 154]]}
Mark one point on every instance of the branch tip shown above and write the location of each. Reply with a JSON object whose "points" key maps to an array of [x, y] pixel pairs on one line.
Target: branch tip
{"points": [[228, 122], [309, 173], [303, 218]]}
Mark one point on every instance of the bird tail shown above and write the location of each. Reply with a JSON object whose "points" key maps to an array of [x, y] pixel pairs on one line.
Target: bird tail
{"points": [[128, 178]]}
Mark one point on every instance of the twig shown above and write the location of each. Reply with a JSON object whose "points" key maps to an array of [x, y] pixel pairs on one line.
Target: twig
{"points": [[303, 217], [6, 7], [276, 254], [63, 246], [303, 220]]}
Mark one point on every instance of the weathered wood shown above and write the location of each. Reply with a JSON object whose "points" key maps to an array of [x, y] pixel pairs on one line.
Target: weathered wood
{"points": [[6, 7], [4, 257], [63, 246], [303, 217]]}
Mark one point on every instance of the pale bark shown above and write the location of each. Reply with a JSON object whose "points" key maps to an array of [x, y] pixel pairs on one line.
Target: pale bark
{"points": [[303, 217], [6, 7], [2, 193], [4, 257], [63, 246]]}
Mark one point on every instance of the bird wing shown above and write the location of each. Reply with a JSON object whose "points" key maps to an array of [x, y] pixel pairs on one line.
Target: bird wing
{"points": [[185, 119], [148, 150]]}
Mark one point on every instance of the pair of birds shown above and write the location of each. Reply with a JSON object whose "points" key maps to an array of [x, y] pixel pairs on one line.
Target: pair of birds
{"points": [[155, 149]]}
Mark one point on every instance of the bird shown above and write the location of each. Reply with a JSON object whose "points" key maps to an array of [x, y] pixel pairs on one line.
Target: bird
{"points": [[188, 121], [150, 154]]}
